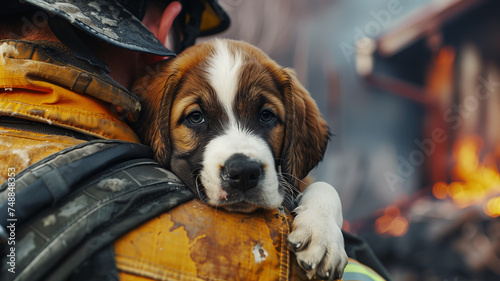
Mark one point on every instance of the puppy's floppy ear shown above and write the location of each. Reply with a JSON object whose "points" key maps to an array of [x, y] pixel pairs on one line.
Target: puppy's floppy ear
{"points": [[156, 90], [306, 132]]}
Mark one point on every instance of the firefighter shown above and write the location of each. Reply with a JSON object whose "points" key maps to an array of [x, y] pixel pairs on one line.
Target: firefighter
{"points": [[79, 212]]}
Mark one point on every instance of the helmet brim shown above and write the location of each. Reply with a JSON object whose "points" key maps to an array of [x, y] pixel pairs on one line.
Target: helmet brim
{"points": [[108, 21]]}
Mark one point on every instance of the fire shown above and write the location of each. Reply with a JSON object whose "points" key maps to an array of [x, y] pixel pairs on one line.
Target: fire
{"points": [[392, 223], [476, 181], [492, 207]]}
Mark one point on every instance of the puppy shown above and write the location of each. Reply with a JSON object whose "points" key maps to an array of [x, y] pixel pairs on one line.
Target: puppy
{"points": [[240, 131]]}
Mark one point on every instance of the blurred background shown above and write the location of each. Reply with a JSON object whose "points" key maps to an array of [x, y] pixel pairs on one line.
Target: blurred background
{"points": [[411, 90]]}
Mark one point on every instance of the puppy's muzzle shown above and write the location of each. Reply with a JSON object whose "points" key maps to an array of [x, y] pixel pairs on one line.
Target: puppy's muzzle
{"points": [[240, 172]]}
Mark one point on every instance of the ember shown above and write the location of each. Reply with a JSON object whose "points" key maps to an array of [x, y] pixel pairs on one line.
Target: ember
{"points": [[392, 223]]}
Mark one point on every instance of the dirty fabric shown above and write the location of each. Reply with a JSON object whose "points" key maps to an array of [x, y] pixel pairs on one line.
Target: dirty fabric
{"points": [[198, 242], [34, 85]]}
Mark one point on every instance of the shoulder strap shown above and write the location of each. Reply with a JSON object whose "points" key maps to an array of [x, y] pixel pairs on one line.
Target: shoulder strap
{"points": [[73, 203], [57, 175]]}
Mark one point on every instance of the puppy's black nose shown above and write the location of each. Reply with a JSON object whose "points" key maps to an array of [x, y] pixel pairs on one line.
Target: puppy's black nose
{"points": [[241, 172]]}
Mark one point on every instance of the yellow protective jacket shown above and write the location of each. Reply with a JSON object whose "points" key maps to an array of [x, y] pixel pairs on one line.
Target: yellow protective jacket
{"points": [[41, 82]]}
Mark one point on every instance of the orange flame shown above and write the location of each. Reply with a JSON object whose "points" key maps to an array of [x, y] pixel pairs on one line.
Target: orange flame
{"points": [[392, 223], [475, 182], [492, 207]]}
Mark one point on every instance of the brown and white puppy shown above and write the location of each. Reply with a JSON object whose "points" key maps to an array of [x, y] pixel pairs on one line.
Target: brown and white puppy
{"points": [[240, 131]]}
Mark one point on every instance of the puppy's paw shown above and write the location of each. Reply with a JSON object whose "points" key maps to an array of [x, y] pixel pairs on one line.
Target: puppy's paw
{"points": [[316, 237]]}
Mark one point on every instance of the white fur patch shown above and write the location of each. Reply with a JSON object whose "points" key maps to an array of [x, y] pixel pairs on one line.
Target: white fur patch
{"points": [[318, 223], [236, 140], [223, 70], [223, 73]]}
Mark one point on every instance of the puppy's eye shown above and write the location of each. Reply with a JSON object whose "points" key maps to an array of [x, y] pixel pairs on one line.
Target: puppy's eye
{"points": [[196, 117], [267, 116]]}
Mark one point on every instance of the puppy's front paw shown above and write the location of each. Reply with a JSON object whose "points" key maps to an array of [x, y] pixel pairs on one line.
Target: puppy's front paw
{"points": [[316, 237]]}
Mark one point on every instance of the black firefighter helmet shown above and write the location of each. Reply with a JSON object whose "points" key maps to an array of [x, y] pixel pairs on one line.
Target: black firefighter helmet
{"points": [[118, 22]]}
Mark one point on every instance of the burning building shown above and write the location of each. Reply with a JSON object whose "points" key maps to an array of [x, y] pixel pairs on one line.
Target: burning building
{"points": [[444, 58]]}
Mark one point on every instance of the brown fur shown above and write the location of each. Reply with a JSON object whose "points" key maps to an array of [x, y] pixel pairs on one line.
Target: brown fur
{"points": [[298, 142]]}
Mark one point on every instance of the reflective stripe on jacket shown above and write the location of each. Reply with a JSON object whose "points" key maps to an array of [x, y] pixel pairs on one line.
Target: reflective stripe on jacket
{"points": [[357, 271]]}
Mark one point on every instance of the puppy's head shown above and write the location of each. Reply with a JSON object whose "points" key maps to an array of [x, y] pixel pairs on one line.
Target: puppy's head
{"points": [[237, 128]]}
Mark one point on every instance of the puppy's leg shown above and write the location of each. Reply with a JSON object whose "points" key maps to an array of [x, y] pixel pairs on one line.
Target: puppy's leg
{"points": [[316, 237]]}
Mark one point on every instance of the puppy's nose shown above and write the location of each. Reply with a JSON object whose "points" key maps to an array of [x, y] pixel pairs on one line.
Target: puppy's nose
{"points": [[241, 172]]}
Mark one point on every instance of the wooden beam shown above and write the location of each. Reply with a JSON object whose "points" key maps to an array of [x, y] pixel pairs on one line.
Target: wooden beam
{"points": [[422, 23]]}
